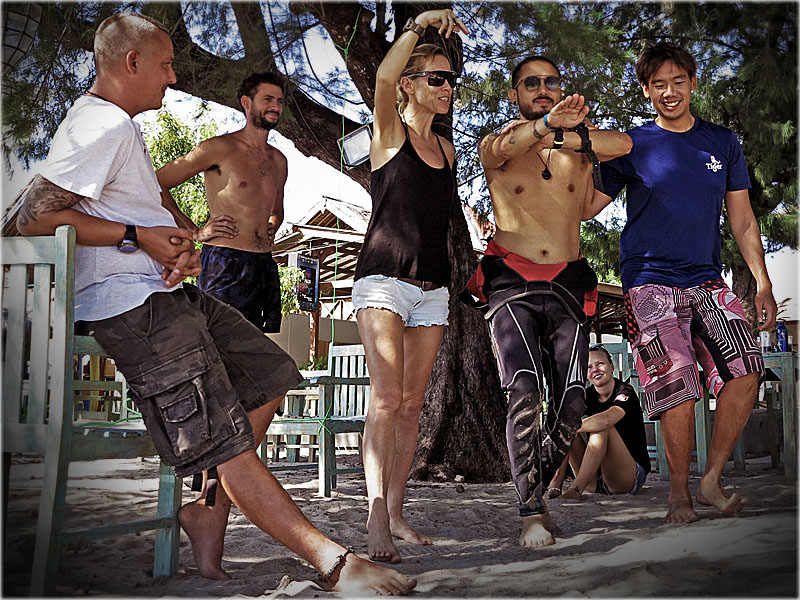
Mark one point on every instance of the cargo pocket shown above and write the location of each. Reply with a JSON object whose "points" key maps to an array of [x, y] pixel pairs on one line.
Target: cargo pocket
{"points": [[653, 355], [174, 404]]}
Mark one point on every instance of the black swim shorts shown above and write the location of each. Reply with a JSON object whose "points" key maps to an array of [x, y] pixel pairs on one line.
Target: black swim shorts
{"points": [[248, 281]]}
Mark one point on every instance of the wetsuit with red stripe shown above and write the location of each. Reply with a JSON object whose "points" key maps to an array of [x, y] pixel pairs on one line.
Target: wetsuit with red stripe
{"points": [[538, 320]]}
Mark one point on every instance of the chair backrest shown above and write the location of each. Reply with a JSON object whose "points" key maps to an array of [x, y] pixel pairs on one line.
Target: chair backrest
{"points": [[38, 309], [349, 361]]}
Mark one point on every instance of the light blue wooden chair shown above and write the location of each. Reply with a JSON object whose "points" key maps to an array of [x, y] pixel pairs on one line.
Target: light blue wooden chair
{"points": [[37, 414], [341, 408]]}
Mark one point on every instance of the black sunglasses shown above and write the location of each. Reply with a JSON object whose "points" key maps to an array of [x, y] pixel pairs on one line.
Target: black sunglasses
{"points": [[533, 82], [437, 78], [596, 347]]}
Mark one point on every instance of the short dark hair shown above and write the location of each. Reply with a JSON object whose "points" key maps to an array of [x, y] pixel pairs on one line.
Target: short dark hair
{"points": [[525, 61], [250, 84], [655, 55]]}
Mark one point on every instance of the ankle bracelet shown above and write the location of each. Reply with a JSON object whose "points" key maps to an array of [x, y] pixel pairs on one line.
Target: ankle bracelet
{"points": [[326, 576]]}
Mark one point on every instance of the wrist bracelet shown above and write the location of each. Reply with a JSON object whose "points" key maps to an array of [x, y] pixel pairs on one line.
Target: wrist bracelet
{"points": [[546, 124], [536, 134]]}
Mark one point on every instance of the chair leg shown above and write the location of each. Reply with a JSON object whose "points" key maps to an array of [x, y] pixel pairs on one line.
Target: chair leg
{"points": [[702, 430], [165, 561], [6, 481], [50, 521], [663, 469], [327, 462]]}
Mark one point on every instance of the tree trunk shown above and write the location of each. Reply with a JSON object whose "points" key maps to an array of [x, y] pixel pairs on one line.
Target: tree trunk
{"points": [[462, 427]]}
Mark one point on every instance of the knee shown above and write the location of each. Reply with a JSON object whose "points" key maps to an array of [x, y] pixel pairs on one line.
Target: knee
{"points": [[598, 439], [386, 402], [411, 406]]}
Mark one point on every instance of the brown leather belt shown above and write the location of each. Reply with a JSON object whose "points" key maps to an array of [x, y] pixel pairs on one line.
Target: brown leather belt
{"points": [[425, 286]]}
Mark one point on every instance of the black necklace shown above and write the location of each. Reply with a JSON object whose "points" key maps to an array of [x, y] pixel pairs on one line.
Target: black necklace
{"points": [[546, 173], [96, 96]]}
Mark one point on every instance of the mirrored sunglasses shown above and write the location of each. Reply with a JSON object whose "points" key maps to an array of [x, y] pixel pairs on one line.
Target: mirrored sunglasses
{"points": [[533, 82], [437, 78]]}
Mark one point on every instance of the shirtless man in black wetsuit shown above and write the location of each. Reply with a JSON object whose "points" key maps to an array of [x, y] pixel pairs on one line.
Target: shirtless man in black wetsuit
{"points": [[537, 287]]}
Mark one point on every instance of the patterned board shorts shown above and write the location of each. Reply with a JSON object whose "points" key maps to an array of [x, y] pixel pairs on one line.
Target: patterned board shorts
{"points": [[672, 329]]}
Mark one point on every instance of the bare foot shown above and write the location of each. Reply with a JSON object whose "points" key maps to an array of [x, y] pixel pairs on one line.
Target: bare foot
{"points": [[207, 537], [358, 577], [379, 540], [552, 492], [681, 511], [538, 530], [712, 494], [401, 529], [572, 494]]}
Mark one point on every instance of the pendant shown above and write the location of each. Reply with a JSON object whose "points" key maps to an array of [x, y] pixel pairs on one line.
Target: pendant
{"points": [[546, 174]]}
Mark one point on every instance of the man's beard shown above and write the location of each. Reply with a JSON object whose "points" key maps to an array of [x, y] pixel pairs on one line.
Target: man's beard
{"points": [[532, 111], [263, 123]]}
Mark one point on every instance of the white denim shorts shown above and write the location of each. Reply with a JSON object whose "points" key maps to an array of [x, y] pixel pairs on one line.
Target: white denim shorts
{"points": [[413, 305]]}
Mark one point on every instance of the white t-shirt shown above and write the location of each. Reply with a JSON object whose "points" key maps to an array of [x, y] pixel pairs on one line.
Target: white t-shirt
{"points": [[98, 152]]}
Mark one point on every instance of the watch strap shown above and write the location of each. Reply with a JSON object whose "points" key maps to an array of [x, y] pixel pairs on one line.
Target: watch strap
{"points": [[586, 146], [129, 240], [558, 141], [412, 25], [130, 232]]}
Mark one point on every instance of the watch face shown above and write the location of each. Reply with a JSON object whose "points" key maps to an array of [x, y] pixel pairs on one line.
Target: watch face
{"points": [[127, 246]]}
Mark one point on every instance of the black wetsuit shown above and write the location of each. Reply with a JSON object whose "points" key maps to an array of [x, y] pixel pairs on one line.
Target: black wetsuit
{"points": [[537, 316]]}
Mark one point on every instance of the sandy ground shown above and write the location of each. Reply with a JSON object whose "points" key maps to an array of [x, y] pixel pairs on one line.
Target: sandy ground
{"points": [[610, 547]]}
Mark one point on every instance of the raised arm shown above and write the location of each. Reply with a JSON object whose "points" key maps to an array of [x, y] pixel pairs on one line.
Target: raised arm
{"points": [[748, 237], [202, 157], [519, 136], [387, 129], [199, 158]]}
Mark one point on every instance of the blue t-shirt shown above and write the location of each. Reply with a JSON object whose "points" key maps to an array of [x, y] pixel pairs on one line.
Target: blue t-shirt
{"points": [[676, 183]]}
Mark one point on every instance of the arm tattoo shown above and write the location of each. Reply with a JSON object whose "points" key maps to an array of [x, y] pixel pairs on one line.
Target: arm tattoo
{"points": [[45, 197]]}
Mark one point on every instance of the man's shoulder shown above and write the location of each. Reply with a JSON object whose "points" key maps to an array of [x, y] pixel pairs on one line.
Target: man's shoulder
{"points": [[219, 143], [93, 127], [99, 116], [719, 132], [645, 129], [278, 153]]}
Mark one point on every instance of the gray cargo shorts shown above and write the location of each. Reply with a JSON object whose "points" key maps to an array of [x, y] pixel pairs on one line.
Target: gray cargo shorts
{"points": [[195, 367]]}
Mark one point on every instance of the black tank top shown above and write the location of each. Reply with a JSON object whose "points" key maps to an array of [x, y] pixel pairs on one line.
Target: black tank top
{"points": [[411, 205]]}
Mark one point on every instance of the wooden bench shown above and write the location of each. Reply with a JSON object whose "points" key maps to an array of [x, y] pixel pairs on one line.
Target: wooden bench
{"points": [[342, 407], [38, 402]]}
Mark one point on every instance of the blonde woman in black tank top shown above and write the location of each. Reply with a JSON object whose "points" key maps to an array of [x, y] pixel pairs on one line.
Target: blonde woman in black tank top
{"points": [[400, 358]]}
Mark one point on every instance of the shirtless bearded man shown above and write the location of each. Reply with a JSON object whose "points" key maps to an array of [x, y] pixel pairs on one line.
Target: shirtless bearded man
{"points": [[244, 179], [537, 287]]}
